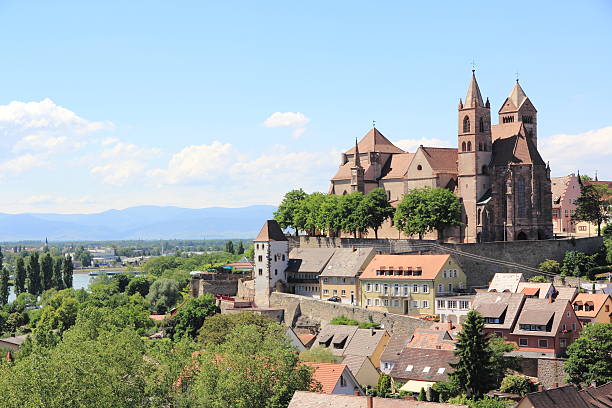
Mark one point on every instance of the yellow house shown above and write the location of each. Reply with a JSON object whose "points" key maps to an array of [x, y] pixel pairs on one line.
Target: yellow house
{"points": [[409, 284], [340, 276]]}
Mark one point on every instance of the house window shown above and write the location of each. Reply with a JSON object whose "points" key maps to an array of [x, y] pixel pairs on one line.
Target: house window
{"points": [[335, 292], [376, 287], [464, 304], [440, 304], [426, 369], [283, 257], [325, 292], [562, 343], [369, 287], [275, 272], [343, 293], [523, 342], [325, 280], [396, 303], [452, 304], [409, 367], [482, 127], [260, 272], [543, 343], [450, 287], [396, 290], [441, 370], [574, 326], [406, 291], [440, 288], [425, 288], [369, 302], [342, 381], [425, 304], [385, 289], [469, 146], [415, 304], [564, 326], [377, 302], [415, 288], [520, 196], [260, 258], [386, 301]]}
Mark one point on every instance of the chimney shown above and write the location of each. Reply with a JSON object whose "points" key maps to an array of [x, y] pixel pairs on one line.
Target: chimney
{"points": [[550, 299], [370, 401]]}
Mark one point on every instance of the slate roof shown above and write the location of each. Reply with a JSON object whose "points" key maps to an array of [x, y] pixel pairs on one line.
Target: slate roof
{"points": [[365, 341], [540, 311], [311, 260], [346, 262], [484, 302], [271, 231], [374, 141], [327, 374], [396, 344], [562, 397], [420, 359], [430, 265], [304, 399], [335, 334]]}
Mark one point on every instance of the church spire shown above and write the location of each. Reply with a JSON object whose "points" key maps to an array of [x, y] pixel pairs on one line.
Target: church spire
{"points": [[473, 98], [517, 96], [357, 161]]}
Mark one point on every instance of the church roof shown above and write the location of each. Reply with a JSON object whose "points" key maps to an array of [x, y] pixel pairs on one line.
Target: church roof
{"points": [[503, 130], [517, 96], [517, 149], [344, 172], [441, 159], [374, 141], [397, 166], [271, 231], [473, 97]]}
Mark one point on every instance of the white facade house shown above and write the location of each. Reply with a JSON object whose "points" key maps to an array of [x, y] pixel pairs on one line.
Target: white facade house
{"points": [[271, 260], [453, 308]]}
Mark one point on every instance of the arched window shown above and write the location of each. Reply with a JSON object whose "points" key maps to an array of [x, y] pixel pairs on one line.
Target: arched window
{"points": [[482, 129], [520, 196], [419, 167], [463, 147], [484, 169], [469, 146], [466, 124]]}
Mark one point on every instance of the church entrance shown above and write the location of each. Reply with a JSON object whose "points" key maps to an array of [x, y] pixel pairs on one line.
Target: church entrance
{"points": [[521, 236]]}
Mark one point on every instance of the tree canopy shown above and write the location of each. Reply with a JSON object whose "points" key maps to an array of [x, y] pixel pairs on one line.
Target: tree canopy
{"points": [[592, 205], [589, 356], [287, 213]]}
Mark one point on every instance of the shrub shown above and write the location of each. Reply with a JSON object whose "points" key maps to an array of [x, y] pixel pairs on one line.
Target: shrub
{"points": [[343, 320], [516, 384]]}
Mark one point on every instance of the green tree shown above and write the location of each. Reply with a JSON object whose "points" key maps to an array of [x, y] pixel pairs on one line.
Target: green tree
{"points": [[354, 220], [20, 276], [286, 214], [319, 354], [308, 213], [46, 271], [122, 280], [33, 281], [84, 256], [377, 209], [4, 285], [517, 384], [550, 266], [427, 209], [446, 390], [216, 328], [422, 395], [473, 373], [250, 252], [160, 264], [589, 356], [576, 263], [329, 218], [190, 317], [384, 386], [58, 280], [254, 367], [163, 295], [539, 279], [138, 284], [229, 247], [592, 205], [67, 271], [240, 249]]}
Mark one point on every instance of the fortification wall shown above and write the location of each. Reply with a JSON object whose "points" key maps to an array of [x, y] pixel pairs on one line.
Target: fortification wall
{"points": [[479, 272], [551, 372], [198, 287], [324, 311]]}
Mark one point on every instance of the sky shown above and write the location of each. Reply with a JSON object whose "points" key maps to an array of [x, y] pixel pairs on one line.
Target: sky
{"points": [[113, 104]]}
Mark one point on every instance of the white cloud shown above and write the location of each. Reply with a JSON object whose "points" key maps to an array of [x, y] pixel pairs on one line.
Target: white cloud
{"points": [[20, 164], [44, 199], [297, 133], [109, 141], [119, 173], [411, 145], [121, 151], [286, 119], [588, 151]]}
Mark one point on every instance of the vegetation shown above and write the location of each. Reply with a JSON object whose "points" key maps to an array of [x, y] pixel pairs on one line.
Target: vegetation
{"points": [[216, 328], [427, 209], [384, 386], [517, 384], [190, 316], [550, 266], [592, 205], [343, 320], [539, 279], [319, 354], [589, 356], [286, 214], [576, 263]]}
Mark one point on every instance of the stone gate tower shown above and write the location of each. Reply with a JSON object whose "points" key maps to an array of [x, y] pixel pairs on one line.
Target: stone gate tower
{"points": [[473, 156], [271, 260]]}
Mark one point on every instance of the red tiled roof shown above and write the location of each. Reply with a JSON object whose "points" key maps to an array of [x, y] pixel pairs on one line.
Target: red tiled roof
{"points": [[374, 141], [429, 264], [597, 299], [530, 291], [159, 318], [326, 374]]}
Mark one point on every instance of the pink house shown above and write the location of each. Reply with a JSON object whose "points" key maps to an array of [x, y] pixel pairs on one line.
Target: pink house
{"points": [[565, 191]]}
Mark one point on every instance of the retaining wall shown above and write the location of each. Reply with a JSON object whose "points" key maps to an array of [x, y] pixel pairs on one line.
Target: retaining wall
{"points": [[323, 311], [551, 372]]}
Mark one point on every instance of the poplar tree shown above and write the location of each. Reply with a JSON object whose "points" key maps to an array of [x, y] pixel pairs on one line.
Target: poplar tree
{"points": [[20, 276], [33, 282], [46, 270], [58, 280], [240, 249], [4, 285], [67, 270], [474, 373]]}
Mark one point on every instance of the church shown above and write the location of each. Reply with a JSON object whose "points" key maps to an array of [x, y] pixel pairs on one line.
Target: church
{"points": [[496, 171]]}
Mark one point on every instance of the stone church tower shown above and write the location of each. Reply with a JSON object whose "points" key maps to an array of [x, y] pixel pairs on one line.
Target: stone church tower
{"points": [[473, 155]]}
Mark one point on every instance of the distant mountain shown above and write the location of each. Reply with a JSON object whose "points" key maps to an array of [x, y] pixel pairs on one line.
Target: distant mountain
{"points": [[143, 222]]}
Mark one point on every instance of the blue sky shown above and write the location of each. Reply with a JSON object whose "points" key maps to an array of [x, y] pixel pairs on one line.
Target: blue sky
{"points": [[113, 104]]}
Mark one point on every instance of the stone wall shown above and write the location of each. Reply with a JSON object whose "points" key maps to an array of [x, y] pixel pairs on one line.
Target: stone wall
{"points": [[217, 287], [323, 311], [551, 372], [479, 272]]}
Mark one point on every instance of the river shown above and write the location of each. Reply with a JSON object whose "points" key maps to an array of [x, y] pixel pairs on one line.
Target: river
{"points": [[79, 281]]}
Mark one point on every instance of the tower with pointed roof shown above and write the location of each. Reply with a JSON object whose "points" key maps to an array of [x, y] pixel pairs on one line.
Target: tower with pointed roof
{"points": [[473, 155], [357, 173], [271, 260], [517, 108]]}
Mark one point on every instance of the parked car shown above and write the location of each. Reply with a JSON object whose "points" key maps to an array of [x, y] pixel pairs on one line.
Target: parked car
{"points": [[335, 299]]}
